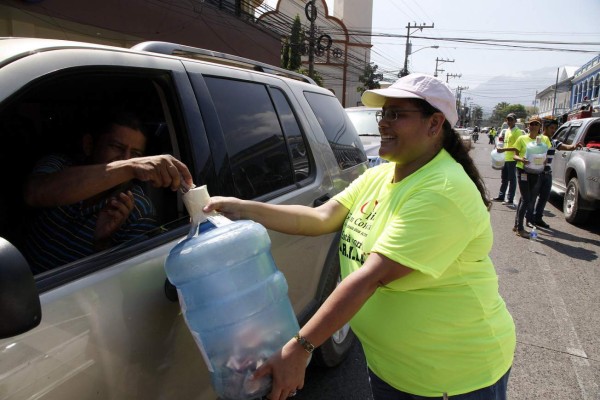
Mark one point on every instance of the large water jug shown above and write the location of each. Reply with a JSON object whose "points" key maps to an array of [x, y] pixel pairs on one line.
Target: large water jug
{"points": [[535, 152], [497, 159], [233, 297]]}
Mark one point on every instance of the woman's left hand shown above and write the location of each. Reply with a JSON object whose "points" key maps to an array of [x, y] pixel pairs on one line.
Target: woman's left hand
{"points": [[287, 368]]}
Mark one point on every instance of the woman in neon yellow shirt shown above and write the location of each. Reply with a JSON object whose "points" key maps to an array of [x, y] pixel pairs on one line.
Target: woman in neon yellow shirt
{"points": [[419, 288]]}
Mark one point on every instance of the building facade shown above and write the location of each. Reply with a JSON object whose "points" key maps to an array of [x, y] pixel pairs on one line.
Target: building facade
{"points": [[348, 26], [556, 99], [226, 26], [586, 84]]}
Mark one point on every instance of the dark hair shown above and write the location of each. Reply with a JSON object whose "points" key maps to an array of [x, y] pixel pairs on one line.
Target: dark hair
{"points": [[452, 143], [103, 122]]}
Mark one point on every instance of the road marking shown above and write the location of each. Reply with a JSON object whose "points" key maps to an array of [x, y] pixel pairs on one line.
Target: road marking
{"points": [[579, 360]]}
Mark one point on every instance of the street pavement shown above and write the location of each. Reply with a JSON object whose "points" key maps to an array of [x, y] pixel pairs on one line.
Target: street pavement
{"points": [[552, 289]]}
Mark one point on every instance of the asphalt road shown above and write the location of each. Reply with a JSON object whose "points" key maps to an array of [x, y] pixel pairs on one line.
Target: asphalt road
{"points": [[552, 289]]}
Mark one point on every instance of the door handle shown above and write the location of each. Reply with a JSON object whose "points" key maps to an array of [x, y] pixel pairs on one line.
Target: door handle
{"points": [[321, 200]]}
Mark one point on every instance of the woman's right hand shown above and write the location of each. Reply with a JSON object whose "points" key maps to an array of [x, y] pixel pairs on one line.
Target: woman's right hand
{"points": [[231, 207]]}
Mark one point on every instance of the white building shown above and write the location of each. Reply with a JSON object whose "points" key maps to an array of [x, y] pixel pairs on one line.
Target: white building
{"points": [[349, 27], [556, 99]]}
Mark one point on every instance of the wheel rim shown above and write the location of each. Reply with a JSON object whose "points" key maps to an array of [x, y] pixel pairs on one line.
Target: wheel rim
{"points": [[570, 199], [339, 336]]}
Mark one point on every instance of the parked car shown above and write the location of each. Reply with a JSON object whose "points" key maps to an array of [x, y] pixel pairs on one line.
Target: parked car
{"points": [[465, 135], [108, 325], [367, 127], [500, 138], [576, 174]]}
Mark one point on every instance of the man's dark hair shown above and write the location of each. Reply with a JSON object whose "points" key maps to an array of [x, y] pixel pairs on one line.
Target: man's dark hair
{"points": [[104, 122]]}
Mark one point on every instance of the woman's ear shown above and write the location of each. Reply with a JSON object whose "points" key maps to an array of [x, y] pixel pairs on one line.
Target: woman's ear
{"points": [[436, 123], [87, 144]]}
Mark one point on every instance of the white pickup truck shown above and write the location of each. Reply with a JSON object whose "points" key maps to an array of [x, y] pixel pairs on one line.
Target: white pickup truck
{"points": [[576, 174]]}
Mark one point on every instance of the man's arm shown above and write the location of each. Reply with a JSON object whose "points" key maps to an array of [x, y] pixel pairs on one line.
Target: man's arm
{"points": [[77, 183]]}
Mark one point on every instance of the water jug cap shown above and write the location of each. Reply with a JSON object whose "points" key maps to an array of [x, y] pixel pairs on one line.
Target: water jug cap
{"points": [[195, 200]]}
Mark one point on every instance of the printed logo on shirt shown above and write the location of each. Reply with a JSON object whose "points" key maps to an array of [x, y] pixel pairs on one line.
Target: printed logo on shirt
{"points": [[351, 243]]}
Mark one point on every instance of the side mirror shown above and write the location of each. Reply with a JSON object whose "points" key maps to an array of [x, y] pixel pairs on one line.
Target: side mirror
{"points": [[20, 308]]}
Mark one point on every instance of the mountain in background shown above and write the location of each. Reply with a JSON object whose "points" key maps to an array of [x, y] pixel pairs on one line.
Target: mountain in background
{"points": [[513, 89]]}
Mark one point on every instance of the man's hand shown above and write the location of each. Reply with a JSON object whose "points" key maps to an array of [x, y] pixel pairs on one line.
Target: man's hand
{"points": [[111, 217], [161, 171]]}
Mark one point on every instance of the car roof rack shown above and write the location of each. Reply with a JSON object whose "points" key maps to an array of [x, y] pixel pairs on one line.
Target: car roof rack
{"points": [[197, 53]]}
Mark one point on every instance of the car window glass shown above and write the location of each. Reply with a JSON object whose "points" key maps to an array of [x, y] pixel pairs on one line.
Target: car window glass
{"points": [[295, 140], [570, 135], [259, 158], [338, 129], [48, 119], [365, 123]]}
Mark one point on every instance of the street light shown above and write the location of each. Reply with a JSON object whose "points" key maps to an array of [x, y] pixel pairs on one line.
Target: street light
{"points": [[427, 47], [404, 71]]}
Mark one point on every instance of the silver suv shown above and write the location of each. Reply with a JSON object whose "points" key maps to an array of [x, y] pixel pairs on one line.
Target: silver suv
{"points": [[108, 325]]}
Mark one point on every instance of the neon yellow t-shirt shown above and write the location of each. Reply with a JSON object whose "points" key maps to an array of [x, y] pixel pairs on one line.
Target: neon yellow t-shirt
{"points": [[443, 327], [523, 141], [510, 137]]}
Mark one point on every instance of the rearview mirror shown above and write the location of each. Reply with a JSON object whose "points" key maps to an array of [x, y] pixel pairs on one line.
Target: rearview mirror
{"points": [[20, 308]]}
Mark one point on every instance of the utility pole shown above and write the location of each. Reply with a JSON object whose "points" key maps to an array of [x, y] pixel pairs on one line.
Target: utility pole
{"points": [[440, 61], [404, 71], [555, 90], [459, 106], [452, 76], [312, 17]]}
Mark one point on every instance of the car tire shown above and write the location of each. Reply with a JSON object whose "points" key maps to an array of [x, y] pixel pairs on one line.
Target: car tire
{"points": [[571, 202], [335, 349]]}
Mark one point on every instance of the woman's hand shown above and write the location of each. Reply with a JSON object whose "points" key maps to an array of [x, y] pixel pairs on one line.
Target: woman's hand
{"points": [[287, 367]]}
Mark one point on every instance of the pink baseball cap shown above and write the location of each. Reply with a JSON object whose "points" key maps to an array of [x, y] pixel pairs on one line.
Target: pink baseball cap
{"points": [[416, 86]]}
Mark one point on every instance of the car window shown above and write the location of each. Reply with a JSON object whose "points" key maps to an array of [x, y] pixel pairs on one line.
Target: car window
{"points": [[364, 121], [295, 139], [253, 133], [45, 122], [338, 129], [567, 134]]}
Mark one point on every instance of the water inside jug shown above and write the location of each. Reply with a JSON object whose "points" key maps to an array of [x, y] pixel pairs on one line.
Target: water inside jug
{"points": [[536, 154], [233, 297]]}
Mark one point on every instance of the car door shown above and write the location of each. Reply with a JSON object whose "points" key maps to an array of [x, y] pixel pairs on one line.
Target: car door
{"points": [[108, 329], [565, 134], [270, 152]]}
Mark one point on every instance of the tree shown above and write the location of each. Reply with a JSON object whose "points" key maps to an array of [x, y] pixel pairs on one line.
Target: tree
{"points": [[291, 57], [285, 54], [316, 76], [501, 110], [532, 110], [476, 115], [370, 78]]}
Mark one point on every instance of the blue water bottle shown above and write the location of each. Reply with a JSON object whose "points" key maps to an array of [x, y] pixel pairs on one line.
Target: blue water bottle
{"points": [[233, 297]]}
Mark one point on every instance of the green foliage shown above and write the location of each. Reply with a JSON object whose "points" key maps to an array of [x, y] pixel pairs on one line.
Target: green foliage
{"points": [[476, 115], [316, 76], [501, 110], [295, 46], [285, 54], [370, 78]]}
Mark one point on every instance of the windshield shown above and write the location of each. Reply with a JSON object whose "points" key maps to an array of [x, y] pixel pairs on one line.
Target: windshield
{"points": [[364, 121]]}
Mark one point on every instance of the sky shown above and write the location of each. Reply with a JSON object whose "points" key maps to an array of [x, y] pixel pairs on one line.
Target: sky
{"points": [[518, 22]]}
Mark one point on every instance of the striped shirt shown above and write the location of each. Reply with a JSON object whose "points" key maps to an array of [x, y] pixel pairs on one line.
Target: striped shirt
{"points": [[60, 235], [550, 154]]}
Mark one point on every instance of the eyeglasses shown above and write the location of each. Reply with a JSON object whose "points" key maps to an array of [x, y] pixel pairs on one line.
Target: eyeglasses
{"points": [[391, 114]]}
